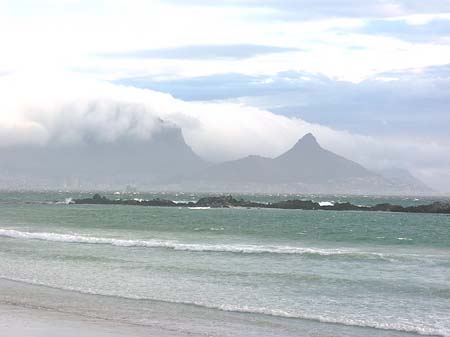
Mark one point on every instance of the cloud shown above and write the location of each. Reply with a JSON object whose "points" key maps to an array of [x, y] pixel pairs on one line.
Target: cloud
{"points": [[68, 108], [436, 30], [307, 9], [200, 52], [237, 55], [409, 101], [185, 39], [234, 85]]}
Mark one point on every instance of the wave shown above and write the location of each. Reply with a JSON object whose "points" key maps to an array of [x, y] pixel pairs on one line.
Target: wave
{"points": [[194, 247], [212, 229], [292, 314], [326, 203], [67, 201], [183, 201], [362, 323]]}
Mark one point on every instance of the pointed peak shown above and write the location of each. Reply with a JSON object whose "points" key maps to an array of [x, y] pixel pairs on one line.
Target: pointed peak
{"points": [[307, 140], [308, 136], [305, 146]]}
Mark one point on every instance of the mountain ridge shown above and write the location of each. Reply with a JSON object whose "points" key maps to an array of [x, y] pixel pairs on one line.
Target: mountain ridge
{"points": [[304, 168], [165, 162]]}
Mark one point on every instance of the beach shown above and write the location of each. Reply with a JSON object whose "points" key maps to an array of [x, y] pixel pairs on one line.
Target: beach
{"points": [[29, 322]]}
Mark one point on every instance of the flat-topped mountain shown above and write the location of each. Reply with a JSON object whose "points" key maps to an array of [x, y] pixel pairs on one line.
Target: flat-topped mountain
{"points": [[160, 159], [165, 162]]}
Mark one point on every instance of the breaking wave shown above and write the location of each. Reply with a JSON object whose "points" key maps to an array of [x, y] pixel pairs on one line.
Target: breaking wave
{"points": [[194, 247], [294, 314]]}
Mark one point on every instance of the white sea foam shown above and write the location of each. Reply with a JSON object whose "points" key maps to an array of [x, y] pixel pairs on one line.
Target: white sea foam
{"points": [[359, 322], [66, 201], [326, 203], [175, 245], [182, 201], [334, 319]]}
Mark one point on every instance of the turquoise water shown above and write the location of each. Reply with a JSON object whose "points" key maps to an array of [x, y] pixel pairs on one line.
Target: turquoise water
{"points": [[284, 272]]}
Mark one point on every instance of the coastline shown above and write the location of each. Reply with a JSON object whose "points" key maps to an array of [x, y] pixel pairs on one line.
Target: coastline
{"points": [[28, 310]]}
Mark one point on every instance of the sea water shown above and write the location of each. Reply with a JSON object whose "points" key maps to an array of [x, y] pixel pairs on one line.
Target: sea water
{"points": [[230, 272]]}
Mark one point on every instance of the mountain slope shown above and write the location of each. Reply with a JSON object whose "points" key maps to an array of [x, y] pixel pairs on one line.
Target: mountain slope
{"points": [[305, 162], [96, 164], [165, 161], [308, 162], [305, 168], [403, 177]]}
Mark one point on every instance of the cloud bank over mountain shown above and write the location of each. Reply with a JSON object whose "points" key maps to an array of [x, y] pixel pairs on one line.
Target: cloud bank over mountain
{"points": [[69, 109], [369, 78]]}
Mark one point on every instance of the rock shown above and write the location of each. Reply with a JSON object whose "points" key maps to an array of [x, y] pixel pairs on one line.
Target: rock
{"points": [[228, 201]]}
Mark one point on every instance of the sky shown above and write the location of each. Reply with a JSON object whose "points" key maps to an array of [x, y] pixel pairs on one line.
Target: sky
{"points": [[370, 79]]}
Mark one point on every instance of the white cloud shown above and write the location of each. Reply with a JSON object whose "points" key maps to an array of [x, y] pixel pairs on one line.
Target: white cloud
{"points": [[60, 39], [63, 108], [59, 36], [66, 108], [421, 19]]}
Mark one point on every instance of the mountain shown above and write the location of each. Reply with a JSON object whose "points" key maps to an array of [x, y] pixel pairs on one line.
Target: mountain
{"points": [[404, 178], [166, 162], [98, 164], [308, 162], [305, 162], [305, 168]]}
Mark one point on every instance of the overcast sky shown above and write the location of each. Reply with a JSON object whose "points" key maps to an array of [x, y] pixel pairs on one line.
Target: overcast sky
{"points": [[370, 78]]}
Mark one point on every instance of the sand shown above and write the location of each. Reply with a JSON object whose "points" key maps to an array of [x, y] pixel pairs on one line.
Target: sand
{"points": [[16, 321]]}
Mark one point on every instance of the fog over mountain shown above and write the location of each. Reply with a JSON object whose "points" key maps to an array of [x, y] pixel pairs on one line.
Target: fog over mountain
{"points": [[238, 77], [404, 179], [165, 162], [77, 120], [97, 164]]}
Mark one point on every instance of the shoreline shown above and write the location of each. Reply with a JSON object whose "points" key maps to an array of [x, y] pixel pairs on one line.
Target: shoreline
{"points": [[44, 317]]}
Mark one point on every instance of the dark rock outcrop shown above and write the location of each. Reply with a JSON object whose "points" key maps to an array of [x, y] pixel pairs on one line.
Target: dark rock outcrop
{"points": [[228, 201]]}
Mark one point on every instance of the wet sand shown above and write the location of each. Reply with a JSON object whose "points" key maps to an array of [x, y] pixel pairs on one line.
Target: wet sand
{"points": [[20, 321]]}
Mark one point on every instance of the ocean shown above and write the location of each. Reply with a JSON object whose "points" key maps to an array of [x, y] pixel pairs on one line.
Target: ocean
{"points": [[229, 272]]}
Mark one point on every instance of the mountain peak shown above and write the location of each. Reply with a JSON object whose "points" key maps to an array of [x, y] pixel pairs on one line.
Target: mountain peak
{"points": [[307, 140], [305, 146], [308, 136]]}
